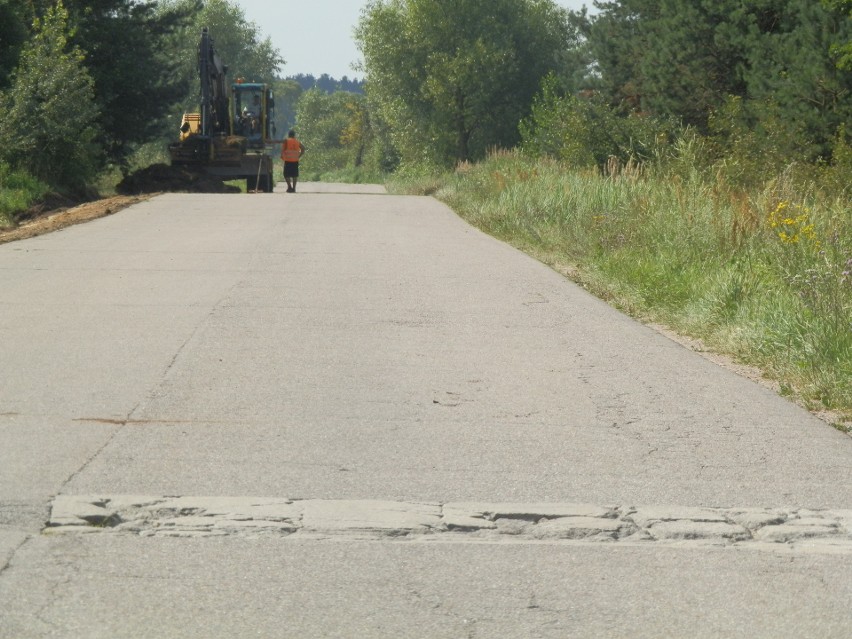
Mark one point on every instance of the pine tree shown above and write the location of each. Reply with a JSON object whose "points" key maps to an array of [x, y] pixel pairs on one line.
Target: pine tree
{"points": [[842, 47], [618, 39], [130, 52], [688, 59], [13, 33], [793, 79]]}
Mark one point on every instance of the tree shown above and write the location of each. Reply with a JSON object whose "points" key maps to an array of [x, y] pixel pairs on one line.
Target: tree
{"points": [[576, 64], [696, 58], [691, 59], [676, 58], [129, 55], [327, 83], [618, 40], [793, 78], [238, 41], [843, 48], [14, 31], [453, 78], [586, 131], [287, 95], [127, 51], [342, 132], [50, 114], [323, 120]]}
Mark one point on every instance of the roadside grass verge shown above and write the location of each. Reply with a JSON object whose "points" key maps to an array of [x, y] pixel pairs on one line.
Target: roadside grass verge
{"points": [[347, 175], [18, 192], [765, 277]]}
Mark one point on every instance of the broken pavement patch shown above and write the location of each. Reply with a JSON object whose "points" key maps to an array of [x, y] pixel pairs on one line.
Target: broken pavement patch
{"points": [[186, 516]]}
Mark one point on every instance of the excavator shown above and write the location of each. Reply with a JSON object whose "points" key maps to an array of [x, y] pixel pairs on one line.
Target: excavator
{"points": [[231, 135]]}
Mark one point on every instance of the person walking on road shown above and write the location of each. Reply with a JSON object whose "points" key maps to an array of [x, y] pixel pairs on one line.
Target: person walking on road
{"points": [[291, 151]]}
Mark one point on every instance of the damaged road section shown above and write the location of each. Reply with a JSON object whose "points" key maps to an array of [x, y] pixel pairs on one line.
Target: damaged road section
{"points": [[776, 528]]}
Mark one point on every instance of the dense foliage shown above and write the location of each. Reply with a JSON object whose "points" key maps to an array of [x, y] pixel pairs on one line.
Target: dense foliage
{"points": [[124, 50], [688, 60], [85, 85], [345, 139], [842, 47], [239, 42], [327, 83], [48, 126], [453, 78]]}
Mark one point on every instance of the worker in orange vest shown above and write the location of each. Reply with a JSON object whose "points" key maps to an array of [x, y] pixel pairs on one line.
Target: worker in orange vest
{"points": [[291, 151]]}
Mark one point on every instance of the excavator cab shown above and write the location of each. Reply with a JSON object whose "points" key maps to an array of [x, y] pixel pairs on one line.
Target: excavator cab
{"points": [[253, 113]]}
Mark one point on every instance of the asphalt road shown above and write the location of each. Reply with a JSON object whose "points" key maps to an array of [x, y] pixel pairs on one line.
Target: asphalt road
{"points": [[342, 413]]}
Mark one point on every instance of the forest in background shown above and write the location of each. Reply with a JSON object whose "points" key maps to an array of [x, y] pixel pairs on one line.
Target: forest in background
{"points": [[327, 83], [689, 160], [765, 83], [92, 90]]}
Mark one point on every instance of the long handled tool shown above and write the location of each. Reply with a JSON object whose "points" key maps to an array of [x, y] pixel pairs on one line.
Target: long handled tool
{"points": [[257, 180]]}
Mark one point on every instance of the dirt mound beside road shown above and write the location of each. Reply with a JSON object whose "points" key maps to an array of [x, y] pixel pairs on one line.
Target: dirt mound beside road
{"points": [[159, 178], [41, 221], [56, 212]]}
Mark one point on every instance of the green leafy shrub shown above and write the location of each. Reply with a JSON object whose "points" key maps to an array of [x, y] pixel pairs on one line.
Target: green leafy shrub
{"points": [[585, 132], [753, 143], [18, 191], [49, 114], [834, 179]]}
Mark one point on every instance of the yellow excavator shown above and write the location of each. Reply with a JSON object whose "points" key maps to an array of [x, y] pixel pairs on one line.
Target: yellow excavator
{"points": [[233, 133]]}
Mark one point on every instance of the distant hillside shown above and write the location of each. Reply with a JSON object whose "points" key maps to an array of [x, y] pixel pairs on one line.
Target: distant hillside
{"points": [[328, 84]]}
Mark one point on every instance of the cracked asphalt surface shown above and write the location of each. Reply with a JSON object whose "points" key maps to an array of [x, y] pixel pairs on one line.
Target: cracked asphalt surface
{"points": [[406, 382], [773, 529]]}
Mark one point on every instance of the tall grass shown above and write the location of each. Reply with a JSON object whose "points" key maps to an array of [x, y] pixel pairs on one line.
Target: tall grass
{"points": [[347, 175], [18, 192], [765, 276]]}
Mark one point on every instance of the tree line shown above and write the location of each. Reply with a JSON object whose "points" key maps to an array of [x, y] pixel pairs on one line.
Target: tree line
{"points": [[764, 82], [727, 68], [327, 83], [83, 85]]}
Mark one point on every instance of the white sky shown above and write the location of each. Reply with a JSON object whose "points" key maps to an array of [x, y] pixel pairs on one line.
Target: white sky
{"points": [[315, 36]]}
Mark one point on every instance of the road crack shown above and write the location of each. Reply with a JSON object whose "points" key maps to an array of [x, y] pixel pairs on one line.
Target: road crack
{"points": [[158, 516]]}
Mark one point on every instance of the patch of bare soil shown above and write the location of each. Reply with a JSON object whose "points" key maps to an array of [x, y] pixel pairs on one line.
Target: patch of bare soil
{"points": [[56, 212], [53, 215], [159, 178]]}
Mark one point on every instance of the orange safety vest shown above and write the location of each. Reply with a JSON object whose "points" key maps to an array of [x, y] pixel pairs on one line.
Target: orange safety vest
{"points": [[291, 150]]}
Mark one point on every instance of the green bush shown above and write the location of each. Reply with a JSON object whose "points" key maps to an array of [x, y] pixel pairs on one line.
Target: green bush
{"points": [[49, 113], [18, 191], [586, 132], [833, 180]]}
